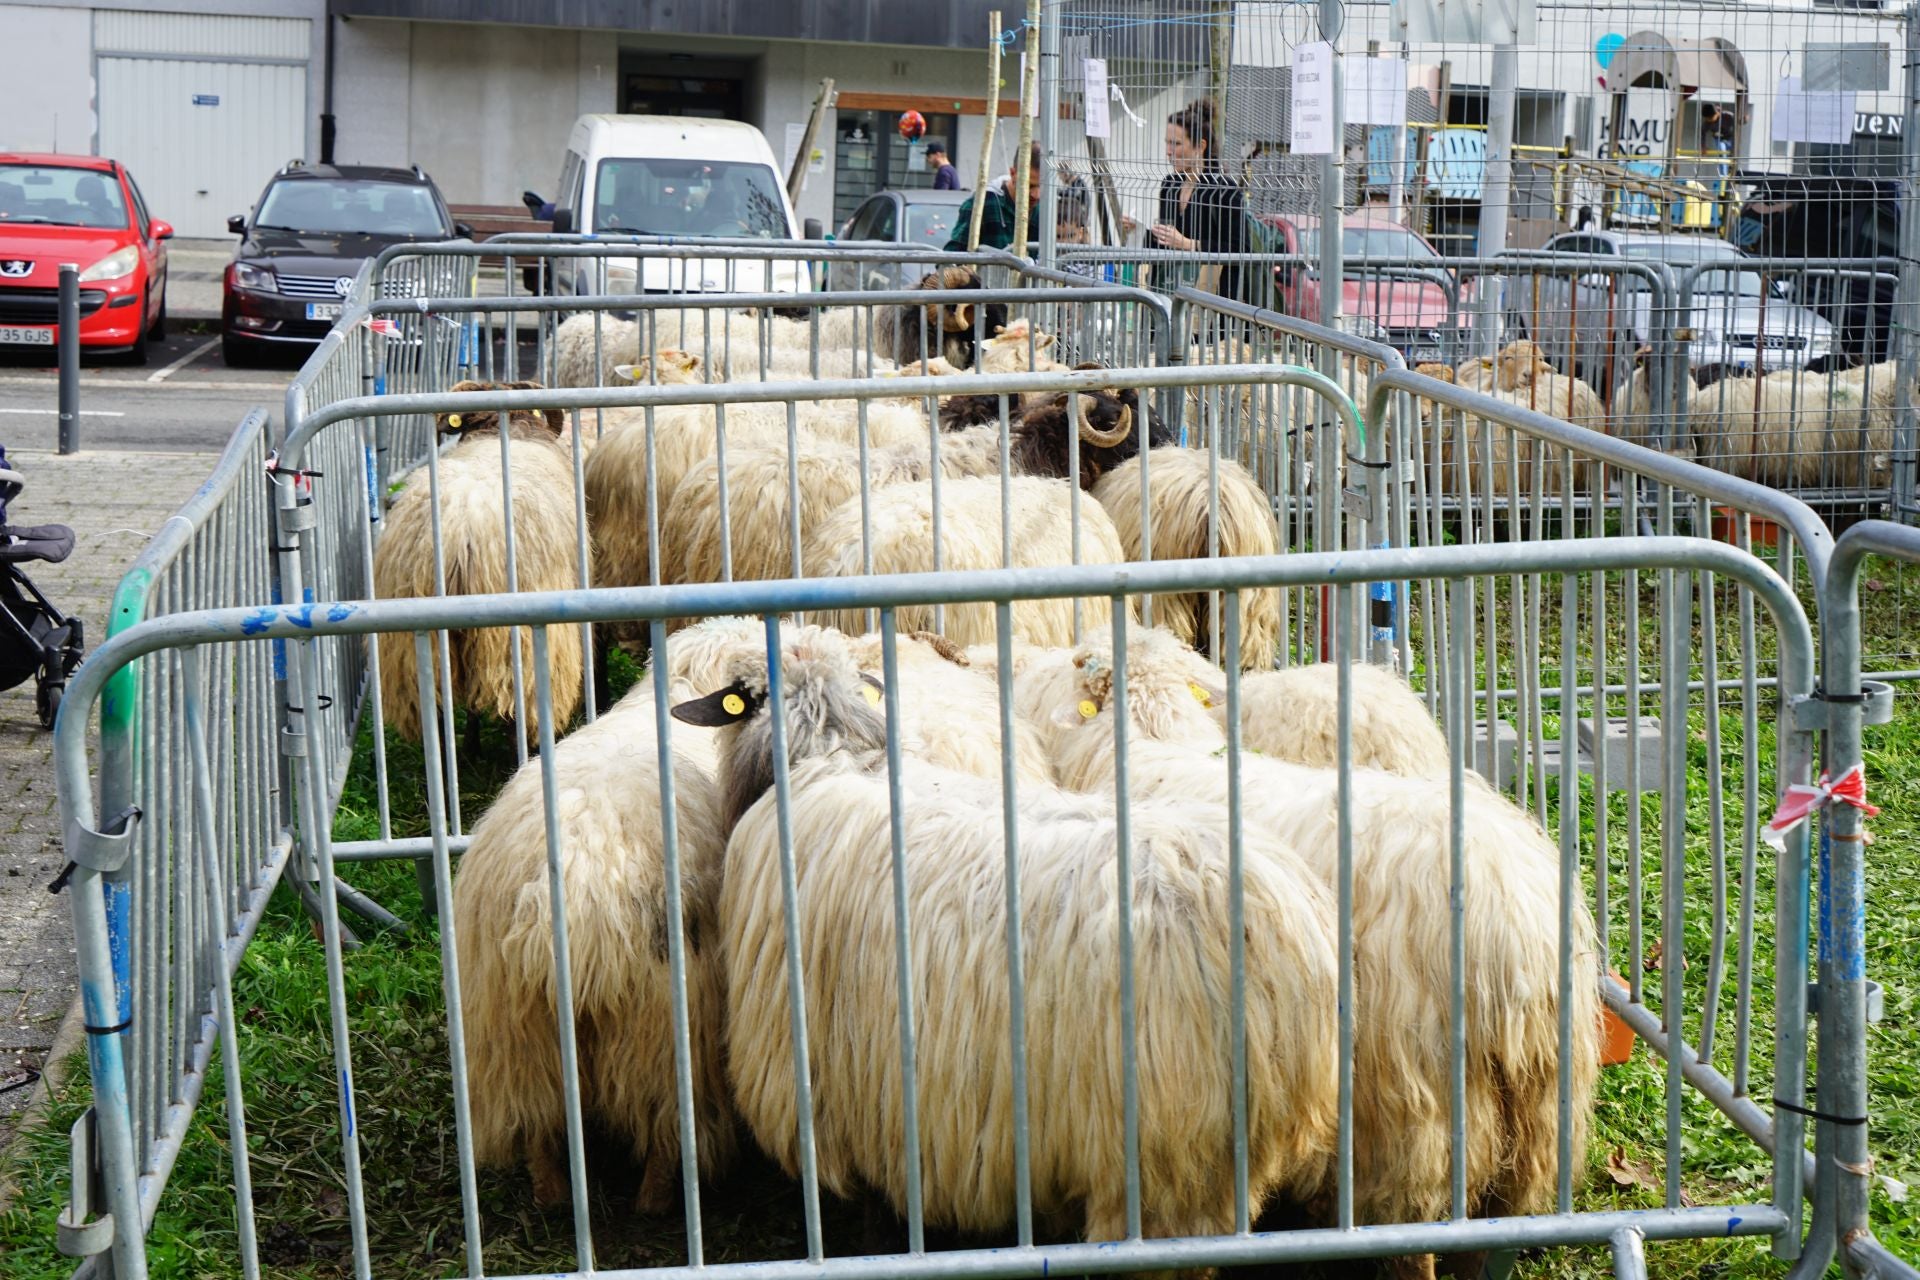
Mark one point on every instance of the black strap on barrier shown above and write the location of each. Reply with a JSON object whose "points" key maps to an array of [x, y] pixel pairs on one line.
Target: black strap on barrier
{"points": [[1812, 1114], [325, 704], [114, 1030], [129, 814], [1358, 461], [1382, 613], [1819, 694]]}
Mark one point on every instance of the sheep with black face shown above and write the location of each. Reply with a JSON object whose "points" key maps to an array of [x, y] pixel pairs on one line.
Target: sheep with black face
{"points": [[946, 329]]}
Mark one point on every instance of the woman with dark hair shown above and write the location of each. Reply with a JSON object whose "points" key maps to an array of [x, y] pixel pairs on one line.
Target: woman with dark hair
{"points": [[1201, 207]]}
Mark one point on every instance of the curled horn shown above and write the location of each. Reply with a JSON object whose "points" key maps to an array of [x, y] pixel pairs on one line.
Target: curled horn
{"points": [[1104, 439], [960, 319]]}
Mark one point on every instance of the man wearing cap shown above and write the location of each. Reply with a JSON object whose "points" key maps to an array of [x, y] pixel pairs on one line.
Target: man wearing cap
{"points": [[996, 218], [945, 176]]}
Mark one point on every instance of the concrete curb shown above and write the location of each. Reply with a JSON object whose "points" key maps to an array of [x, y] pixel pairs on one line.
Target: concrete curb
{"points": [[68, 1040]]}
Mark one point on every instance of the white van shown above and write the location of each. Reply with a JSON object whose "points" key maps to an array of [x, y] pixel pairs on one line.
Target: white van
{"points": [[673, 176]]}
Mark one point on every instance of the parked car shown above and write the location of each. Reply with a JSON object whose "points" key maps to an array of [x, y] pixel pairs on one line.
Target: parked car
{"points": [[86, 210], [1738, 322], [1408, 306], [918, 218], [673, 176], [304, 242]]}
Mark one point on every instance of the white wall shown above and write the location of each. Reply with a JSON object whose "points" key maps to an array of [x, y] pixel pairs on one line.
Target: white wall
{"points": [[46, 79]]}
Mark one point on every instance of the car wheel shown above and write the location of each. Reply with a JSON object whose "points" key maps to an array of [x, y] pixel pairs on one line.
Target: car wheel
{"points": [[159, 330], [236, 352], [137, 353]]}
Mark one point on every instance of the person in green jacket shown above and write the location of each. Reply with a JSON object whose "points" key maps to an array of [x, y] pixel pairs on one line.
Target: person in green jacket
{"points": [[996, 219]]}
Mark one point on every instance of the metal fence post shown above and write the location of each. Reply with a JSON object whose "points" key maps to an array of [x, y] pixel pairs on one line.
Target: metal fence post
{"points": [[69, 357]]}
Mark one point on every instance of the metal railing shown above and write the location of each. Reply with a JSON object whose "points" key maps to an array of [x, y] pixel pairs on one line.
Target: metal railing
{"points": [[188, 636]]}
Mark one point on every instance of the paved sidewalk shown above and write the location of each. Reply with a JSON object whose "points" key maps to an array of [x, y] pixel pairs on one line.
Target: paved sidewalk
{"points": [[113, 501]]}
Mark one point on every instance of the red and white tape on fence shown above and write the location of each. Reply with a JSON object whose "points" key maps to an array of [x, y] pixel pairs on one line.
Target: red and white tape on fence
{"points": [[1798, 804]]}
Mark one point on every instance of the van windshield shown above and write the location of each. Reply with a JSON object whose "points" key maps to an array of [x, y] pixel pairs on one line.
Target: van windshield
{"points": [[688, 198]]}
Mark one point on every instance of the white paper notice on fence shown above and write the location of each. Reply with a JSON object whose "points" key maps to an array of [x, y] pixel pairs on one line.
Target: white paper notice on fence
{"points": [[1799, 116], [1376, 91], [796, 132], [1312, 133], [1095, 82]]}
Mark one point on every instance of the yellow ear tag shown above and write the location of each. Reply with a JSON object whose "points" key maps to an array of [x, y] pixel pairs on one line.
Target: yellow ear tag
{"points": [[873, 694], [453, 419], [1200, 695], [734, 704], [1089, 708]]}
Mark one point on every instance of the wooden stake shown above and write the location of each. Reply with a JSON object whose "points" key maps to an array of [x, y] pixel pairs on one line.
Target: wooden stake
{"points": [[801, 156], [986, 141], [1029, 94]]}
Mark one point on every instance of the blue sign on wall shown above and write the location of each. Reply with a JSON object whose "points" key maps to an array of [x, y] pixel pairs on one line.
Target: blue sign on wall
{"points": [[206, 99]]}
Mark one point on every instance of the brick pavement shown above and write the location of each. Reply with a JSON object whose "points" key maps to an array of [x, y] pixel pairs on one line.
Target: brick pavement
{"points": [[113, 501]]}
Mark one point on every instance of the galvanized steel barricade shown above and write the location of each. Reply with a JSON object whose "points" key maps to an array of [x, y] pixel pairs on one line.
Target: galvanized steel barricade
{"points": [[327, 548], [184, 885], [1226, 1233]]}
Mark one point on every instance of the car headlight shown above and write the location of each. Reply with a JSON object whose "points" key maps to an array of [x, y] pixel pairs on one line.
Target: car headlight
{"points": [[257, 278], [621, 277], [120, 262]]}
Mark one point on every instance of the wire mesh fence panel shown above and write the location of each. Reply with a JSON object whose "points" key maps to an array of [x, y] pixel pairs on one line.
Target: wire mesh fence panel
{"points": [[1131, 831]]}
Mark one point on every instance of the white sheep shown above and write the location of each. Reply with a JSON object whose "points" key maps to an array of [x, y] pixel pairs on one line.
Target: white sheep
{"points": [[955, 867], [1401, 884], [607, 788], [473, 539], [1181, 515], [1041, 520]]}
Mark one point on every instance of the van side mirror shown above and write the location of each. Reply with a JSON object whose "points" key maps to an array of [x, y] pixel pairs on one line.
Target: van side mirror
{"points": [[813, 229], [237, 224], [462, 231], [562, 221]]}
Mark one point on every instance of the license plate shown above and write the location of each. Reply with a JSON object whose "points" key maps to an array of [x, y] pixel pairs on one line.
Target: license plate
{"points": [[323, 311], [25, 336]]}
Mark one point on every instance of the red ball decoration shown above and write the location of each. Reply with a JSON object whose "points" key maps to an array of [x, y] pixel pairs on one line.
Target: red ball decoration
{"points": [[913, 126]]}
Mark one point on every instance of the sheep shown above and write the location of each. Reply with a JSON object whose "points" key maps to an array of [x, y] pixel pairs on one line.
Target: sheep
{"points": [[733, 343], [607, 784], [840, 822], [1041, 521], [1794, 429], [1180, 481], [946, 329], [473, 538], [1490, 453], [1401, 884]]}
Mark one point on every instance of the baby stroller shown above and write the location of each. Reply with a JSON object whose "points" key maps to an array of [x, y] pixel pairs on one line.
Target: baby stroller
{"points": [[37, 641]]}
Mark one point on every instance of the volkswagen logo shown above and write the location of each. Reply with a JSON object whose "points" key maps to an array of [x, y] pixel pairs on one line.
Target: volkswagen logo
{"points": [[343, 286], [16, 268]]}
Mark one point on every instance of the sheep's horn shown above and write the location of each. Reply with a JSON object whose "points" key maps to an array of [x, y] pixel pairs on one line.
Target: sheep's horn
{"points": [[962, 318], [1104, 439]]}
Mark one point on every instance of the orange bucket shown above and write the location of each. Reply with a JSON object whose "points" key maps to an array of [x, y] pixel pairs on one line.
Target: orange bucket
{"points": [[1616, 1037], [1726, 528]]}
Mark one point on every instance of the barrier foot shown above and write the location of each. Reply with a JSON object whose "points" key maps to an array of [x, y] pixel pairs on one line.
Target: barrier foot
{"points": [[311, 901]]}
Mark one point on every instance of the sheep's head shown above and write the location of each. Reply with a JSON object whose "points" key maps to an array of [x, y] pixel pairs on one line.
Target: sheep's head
{"points": [[1171, 690], [951, 317], [957, 413], [934, 367], [1520, 363], [831, 707], [1016, 350], [522, 424], [670, 367]]}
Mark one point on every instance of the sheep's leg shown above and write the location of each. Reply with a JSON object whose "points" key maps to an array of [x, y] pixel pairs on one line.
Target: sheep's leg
{"points": [[547, 1166], [656, 1186], [878, 1225], [1412, 1266]]}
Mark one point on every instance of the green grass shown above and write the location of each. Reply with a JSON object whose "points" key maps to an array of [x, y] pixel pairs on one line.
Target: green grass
{"points": [[403, 1087]]}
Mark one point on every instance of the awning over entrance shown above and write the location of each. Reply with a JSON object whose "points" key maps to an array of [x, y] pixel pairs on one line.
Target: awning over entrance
{"points": [[1710, 68]]}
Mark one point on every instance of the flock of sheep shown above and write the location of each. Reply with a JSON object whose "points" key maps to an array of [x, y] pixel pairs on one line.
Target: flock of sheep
{"points": [[847, 488], [1791, 429]]}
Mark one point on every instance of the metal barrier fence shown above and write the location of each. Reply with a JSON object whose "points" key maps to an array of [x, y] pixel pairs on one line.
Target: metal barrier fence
{"points": [[331, 551], [184, 886], [1126, 1235]]}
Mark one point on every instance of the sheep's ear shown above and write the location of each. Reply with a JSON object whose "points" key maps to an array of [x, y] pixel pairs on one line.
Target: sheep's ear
{"points": [[1207, 694], [725, 706], [1044, 341], [632, 372], [875, 691], [1072, 713]]}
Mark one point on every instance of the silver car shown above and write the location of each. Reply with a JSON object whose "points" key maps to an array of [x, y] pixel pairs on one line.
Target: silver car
{"points": [[919, 218], [1737, 322]]}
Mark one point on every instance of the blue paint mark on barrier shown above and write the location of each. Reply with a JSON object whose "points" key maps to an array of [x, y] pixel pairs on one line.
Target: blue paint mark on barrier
{"points": [[346, 1100], [340, 613], [302, 617], [259, 621], [1824, 916], [373, 486], [1732, 1225], [380, 384]]}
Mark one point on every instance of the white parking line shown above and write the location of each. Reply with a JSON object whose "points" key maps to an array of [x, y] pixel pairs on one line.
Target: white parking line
{"points": [[85, 413], [161, 375], [141, 384]]}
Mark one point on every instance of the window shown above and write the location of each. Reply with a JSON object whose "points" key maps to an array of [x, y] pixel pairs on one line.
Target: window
{"points": [[661, 196], [141, 216], [61, 196], [884, 220], [1370, 242], [350, 205], [930, 224], [860, 226]]}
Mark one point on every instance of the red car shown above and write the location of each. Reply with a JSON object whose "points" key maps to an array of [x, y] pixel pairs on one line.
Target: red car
{"points": [[89, 211], [1407, 306]]}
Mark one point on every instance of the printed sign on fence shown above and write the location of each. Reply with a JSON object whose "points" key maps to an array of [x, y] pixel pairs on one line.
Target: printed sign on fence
{"points": [[1376, 91], [1098, 124], [1800, 116], [1313, 104]]}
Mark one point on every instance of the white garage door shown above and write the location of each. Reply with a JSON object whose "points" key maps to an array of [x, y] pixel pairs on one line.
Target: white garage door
{"points": [[205, 128]]}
